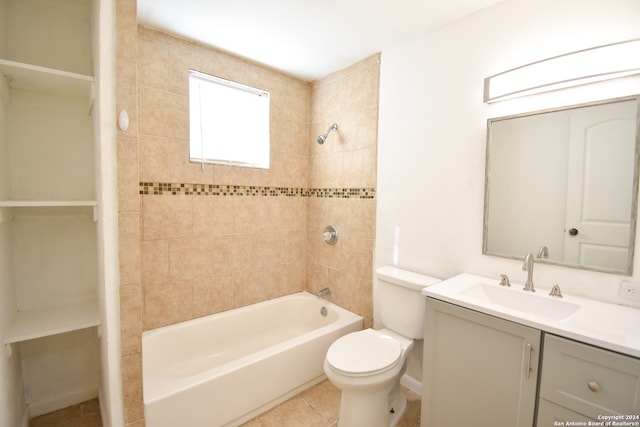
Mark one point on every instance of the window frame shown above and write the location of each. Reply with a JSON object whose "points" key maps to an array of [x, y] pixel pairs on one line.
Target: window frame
{"points": [[261, 160]]}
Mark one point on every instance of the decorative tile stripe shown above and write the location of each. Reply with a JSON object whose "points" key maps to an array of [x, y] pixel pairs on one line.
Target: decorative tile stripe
{"points": [[168, 188]]}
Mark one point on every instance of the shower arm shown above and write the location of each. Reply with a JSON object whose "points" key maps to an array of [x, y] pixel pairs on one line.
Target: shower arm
{"points": [[333, 127]]}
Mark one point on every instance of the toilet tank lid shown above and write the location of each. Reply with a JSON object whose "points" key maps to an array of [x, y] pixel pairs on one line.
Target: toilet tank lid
{"points": [[406, 278]]}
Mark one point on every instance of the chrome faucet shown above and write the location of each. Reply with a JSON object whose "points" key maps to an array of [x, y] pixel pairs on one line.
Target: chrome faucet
{"points": [[323, 293], [528, 267]]}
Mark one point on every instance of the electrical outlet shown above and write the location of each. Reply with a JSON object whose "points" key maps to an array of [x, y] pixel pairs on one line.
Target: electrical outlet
{"points": [[630, 290]]}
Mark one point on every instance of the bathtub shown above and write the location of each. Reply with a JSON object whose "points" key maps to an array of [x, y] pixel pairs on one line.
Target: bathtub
{"points": [[226, 368]]}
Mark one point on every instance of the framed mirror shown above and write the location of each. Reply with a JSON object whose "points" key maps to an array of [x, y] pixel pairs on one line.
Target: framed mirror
{"points": [[563, 185]]}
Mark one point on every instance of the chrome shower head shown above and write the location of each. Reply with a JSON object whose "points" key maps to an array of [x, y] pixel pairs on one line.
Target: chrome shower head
{"points": [[322, 138]]}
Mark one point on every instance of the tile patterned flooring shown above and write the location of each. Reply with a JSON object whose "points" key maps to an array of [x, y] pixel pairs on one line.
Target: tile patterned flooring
{"points": [[319, 407], [316, 407], [85, 414]]}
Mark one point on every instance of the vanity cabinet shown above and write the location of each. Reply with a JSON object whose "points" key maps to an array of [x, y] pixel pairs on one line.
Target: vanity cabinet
{"points": [[581, 382], [48, 198], [481, 370], [478, 370]]}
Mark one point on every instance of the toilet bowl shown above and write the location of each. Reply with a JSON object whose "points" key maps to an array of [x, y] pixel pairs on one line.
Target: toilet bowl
{"points": [[367, 365]]}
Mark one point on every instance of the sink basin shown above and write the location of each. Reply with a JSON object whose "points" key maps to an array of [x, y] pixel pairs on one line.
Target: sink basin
{"points": [[517, 299], [602, 324]]}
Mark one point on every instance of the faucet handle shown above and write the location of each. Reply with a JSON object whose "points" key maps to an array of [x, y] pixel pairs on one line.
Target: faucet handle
{"points": [[555, 291], [504, 280]]}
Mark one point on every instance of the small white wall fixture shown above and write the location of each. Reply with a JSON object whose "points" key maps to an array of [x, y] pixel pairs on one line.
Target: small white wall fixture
{"points": [[586, 66]]}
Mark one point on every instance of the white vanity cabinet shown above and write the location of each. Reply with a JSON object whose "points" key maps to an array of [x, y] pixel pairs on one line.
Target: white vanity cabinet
{"points": [[481, 370], [478, 370], [48, 198], [580, 382]]}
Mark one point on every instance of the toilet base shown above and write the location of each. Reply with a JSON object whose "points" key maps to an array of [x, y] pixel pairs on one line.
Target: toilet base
{"points": [[371, 410], [364, 410], [398, 406]]}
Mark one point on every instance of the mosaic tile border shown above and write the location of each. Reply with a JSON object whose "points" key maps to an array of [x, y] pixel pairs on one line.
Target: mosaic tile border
{"points": [[181, 189]]}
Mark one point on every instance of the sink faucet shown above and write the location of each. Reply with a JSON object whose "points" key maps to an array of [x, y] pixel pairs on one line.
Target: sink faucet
{"points": [[528, 267], [323, 293]]}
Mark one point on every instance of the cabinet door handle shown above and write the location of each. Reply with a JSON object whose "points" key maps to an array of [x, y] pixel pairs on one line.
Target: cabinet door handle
{"points": [[593, 386], [527, 365]]}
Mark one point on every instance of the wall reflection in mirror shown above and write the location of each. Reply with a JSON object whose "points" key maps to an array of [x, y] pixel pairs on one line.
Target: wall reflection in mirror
{"points": [[563, 185]]}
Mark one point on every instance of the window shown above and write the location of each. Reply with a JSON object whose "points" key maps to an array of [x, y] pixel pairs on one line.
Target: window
{"points": [[229, 122]]}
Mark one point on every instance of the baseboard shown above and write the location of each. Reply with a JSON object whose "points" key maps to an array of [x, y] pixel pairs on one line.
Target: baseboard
{"points": [[412, 384], [62, 401]]}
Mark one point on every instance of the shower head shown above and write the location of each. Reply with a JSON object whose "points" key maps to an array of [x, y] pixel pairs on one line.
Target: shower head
{"points": [[322, 138]]}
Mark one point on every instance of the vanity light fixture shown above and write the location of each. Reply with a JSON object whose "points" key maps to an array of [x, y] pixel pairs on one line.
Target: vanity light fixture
{"points": [[591, 65]]}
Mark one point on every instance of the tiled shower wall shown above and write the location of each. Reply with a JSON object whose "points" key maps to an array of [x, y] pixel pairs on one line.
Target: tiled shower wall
{"points": [[195, 242], [346, 160]]}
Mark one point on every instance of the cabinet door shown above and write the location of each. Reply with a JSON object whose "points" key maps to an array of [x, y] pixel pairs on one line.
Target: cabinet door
{"points": [[550, 414], [479, 370], [589, 380]]}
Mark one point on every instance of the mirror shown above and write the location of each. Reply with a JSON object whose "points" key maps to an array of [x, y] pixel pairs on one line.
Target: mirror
{"points": [[563, 185]]}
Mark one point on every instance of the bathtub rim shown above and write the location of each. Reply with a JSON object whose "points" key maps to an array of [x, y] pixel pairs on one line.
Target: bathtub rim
{"points": [[158, 389]]}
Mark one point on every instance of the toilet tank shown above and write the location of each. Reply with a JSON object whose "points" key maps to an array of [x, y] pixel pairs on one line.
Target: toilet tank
{"points": [[401, 301]]}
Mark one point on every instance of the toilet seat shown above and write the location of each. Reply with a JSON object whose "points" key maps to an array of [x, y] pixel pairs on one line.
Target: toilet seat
{"points": [[365, 352]]}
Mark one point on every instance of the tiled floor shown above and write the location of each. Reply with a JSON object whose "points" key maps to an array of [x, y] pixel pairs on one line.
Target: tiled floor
{"points": [[315, 407], [85, 414], [319, 407]]}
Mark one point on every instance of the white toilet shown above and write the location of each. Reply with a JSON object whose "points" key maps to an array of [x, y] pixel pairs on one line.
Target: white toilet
{"points": [[367, 365]]}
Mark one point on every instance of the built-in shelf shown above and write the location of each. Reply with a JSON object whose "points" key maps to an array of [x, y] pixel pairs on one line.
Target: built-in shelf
{"points": [[47, 203], [42, 322], [48, 80]]}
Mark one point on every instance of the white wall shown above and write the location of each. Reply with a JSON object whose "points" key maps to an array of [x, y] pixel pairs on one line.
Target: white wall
{"points": [[432, 124]]}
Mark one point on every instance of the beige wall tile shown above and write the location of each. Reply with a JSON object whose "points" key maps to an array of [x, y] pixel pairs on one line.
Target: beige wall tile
{"points": [[214, 216], [126, 33], [128, 189], [154, 158], [132, 387], [129, 253], [253, 285], [212, 294], [153, 63], [163, 113], [166, 217], [201, 257], [166, 304], [131, 319], [251, 215], [294, 277], [155, 262]]}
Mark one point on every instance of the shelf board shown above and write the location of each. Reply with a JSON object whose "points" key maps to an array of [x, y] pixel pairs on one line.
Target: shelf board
{"points": [[42, 322], [35, 77], [47, 203]]}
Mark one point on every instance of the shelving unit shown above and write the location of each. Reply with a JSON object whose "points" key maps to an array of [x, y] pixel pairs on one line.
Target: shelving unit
{"points": [[48, 196], [42, 322], [46, 80], [47, 203]]}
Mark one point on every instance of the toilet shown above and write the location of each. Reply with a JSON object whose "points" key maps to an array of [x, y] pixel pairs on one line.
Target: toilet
{"points": [[367, 365]]}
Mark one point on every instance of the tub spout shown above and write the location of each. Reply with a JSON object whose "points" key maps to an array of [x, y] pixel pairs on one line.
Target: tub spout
{"points": [[324, 293]]}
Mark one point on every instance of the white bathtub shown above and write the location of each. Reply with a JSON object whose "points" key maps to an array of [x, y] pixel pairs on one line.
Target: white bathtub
{"points": [[226, 368]]}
